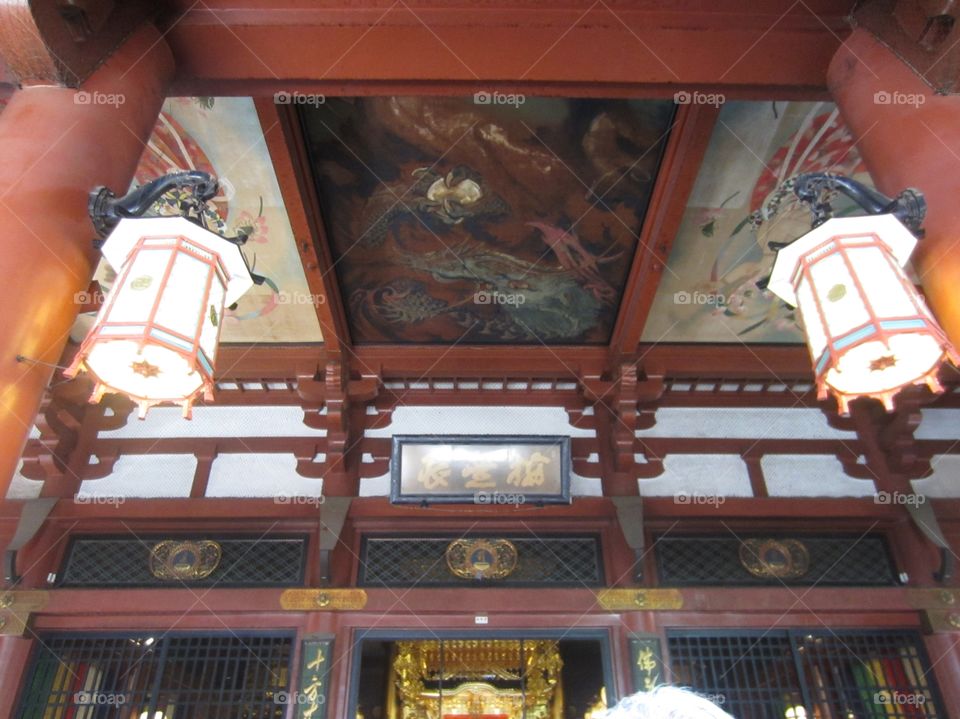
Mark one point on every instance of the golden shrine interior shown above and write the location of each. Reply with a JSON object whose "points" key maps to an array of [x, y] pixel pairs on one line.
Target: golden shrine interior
{"points": [[435, 359]]}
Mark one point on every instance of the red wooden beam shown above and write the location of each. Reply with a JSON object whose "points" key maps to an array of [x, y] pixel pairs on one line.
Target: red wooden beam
{"points": [[295, 177], [635, 44], [689, 138]]}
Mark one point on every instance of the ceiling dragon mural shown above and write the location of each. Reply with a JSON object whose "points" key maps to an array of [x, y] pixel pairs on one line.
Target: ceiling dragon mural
{"points": [[476, 221]]}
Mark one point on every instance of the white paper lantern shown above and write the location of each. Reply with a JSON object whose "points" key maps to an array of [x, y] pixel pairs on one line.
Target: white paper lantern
{"points": [[155, 338], [869, 331]]}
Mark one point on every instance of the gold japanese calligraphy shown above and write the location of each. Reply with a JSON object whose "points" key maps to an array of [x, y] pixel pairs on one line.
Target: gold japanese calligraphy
{"points": [[312, 697], [528, 472], [524, 470], [433, 473], [646, 663]]}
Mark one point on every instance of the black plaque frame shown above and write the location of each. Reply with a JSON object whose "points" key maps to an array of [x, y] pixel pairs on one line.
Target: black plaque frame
{"points": [[499, 496]]}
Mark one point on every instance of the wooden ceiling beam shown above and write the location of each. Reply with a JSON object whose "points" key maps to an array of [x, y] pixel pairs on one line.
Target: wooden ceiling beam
{"points": [[284, 139], [689, 137], [443, 361], [731, 44]]}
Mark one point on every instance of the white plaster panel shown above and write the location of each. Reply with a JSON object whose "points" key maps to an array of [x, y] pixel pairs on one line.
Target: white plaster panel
{"points": [[715, 475], [945, 480], [260, 475], [939, 424], [811, 475], [23, 488], [144, 475], [743, 423]]}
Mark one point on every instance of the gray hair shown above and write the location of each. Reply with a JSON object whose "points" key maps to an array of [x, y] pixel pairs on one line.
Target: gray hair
{"points": [[665, 702]]}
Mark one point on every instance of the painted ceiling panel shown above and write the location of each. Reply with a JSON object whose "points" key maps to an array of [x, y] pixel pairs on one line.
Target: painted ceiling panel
{"points": [[485, 220], [223, 136], [708, 291]]}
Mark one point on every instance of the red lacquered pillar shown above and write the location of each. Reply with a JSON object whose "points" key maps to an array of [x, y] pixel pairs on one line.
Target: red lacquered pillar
{"points": [[908, 137], [57, 144]]}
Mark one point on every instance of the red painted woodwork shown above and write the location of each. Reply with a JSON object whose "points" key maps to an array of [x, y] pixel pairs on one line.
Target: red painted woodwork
{"points": [[925, 130], [690, 134], [285, 141], [422, 44], [55, 150]]}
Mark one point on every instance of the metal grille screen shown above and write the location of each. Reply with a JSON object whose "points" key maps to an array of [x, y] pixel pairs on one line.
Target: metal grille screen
{"points": [[716, 560], [825, 674], [125, 562], [181, 676], [555, 561]]}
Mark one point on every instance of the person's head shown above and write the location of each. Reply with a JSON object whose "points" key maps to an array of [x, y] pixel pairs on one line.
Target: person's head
{"points": [[665, 702]]}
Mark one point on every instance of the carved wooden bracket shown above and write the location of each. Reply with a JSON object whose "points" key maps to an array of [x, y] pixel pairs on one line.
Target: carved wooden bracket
{"points": [[337, 403], [619, 404]]}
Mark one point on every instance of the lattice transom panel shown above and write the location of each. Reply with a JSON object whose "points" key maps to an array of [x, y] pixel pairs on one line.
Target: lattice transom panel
{"points": [[125, 561], [422, 561]]}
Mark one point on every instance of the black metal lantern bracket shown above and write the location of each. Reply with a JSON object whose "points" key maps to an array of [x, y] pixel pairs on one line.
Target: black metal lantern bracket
{"points": [[817, 189], [106, 209]]}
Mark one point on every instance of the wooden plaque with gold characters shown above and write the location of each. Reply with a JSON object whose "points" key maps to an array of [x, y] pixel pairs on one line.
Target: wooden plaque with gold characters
{"points": [[482, 558], [775, 558], [184, 560], [495, 469]]}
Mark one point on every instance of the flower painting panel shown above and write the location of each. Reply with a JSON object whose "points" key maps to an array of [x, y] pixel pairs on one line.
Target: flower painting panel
{"points": [[223, 136], [738, 205], [484, 220]]}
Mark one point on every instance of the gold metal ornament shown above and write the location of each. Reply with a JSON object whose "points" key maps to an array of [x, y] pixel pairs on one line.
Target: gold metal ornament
{"points": [[624, 600], [775, 558], [481, 558], [185, 561], [314, 600]]}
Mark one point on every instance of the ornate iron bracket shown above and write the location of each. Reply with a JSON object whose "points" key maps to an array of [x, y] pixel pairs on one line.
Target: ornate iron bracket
{"points": [[816, 189], [106, 209]]}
